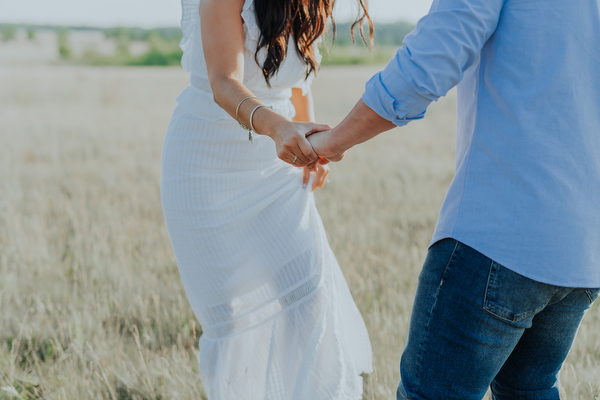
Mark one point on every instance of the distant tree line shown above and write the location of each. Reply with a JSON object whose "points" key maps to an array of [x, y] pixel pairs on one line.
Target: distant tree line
{"points": [[390, 34], [341, 50], [163, 47], [163, 43], [143, 35]]}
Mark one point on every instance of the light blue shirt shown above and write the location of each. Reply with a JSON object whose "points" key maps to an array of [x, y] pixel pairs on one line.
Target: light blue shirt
{"points": [[526, 191]]}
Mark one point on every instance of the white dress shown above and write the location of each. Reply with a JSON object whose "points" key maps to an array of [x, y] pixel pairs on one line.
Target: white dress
{"points": [[278, 320]]}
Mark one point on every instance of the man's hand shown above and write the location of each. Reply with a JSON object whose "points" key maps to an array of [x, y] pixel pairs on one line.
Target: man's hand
{"points": [[359, 126], [322, 146]]}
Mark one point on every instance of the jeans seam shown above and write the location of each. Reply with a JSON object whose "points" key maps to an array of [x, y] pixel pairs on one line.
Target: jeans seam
{"points": [[487, 287], [587, 293], [427, 330]]}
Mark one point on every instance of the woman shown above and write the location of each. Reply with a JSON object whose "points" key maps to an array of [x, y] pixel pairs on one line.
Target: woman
{"points": [[277, 316]]}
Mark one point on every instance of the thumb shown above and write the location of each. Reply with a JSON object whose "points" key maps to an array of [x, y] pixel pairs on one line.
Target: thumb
{"points": [[318, 128]]}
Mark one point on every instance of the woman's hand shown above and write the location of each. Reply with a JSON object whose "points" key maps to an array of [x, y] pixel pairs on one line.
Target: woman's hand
{"points": [[292, 145], [320, 176]]}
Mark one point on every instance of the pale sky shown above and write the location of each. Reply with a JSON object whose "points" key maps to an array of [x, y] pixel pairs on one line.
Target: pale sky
{"points": [[153, 13]]}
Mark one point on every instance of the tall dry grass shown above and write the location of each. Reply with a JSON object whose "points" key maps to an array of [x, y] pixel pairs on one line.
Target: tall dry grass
{"points": [[91, 305]]}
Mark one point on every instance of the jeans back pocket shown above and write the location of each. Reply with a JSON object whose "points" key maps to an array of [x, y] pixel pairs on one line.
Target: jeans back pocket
{"points": [[514, 298]]}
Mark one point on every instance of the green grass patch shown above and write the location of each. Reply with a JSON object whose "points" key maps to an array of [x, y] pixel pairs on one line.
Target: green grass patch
{"points": [[162, 51], [8, 32], [356, 55]]}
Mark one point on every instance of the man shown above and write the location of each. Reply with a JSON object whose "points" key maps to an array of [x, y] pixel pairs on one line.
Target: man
{"points": [[515, 258]]}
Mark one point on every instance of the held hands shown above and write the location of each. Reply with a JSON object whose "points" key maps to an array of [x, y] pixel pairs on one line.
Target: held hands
{"points": [[323, 146], [292, 144], [307, 144]]}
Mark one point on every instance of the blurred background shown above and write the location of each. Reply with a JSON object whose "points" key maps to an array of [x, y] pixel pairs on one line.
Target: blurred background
{"points": [[133, 32], [91, 302]]}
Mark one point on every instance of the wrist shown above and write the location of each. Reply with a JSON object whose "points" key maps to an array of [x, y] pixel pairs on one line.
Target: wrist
{"points": [[272, 124], [335, 142]]}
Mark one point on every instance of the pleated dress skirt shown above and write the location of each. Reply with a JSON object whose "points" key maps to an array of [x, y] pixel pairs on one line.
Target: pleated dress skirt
{"points": [[278, 319]]}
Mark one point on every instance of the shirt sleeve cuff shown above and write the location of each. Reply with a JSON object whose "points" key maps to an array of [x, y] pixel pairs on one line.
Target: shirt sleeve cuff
{"points": [[379, 99]]}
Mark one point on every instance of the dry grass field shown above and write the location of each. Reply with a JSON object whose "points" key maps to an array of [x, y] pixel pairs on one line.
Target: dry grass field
{"points": [[91, 304]]}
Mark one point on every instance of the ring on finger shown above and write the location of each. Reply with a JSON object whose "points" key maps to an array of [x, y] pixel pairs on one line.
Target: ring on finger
{"points": [[295, 158]]}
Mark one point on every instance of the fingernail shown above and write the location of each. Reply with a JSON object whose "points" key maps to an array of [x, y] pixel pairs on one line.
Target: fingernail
{"points": [[304, 185]]}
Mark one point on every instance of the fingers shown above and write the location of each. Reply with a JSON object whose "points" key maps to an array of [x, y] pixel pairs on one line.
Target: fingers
{"points": [[293, 146], [307, 150], [336, 158], [292, 154], [291, 157], [318, 128], [303, 154], [313, 165], [305, 177], [296, 157], [321, 177]]}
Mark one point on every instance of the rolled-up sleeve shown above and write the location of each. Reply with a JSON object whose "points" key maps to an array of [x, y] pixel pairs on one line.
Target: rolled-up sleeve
{"points": [[444, 44]]}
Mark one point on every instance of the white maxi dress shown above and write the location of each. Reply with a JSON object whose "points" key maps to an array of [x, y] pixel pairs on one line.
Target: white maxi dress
{"points": [[278, 319]]}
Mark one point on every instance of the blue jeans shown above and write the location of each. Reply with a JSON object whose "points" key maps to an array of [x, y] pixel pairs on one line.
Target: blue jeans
{"points": [[475, 324]]}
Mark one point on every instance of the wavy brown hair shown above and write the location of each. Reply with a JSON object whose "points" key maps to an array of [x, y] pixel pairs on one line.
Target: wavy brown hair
{"points": [[306, 21]]}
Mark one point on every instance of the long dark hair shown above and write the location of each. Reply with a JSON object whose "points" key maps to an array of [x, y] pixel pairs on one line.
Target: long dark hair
{"points": [[306, 20]]}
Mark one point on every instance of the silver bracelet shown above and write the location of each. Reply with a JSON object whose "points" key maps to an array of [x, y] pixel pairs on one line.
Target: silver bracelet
{"points": [[238, 109], [252, 130]]}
